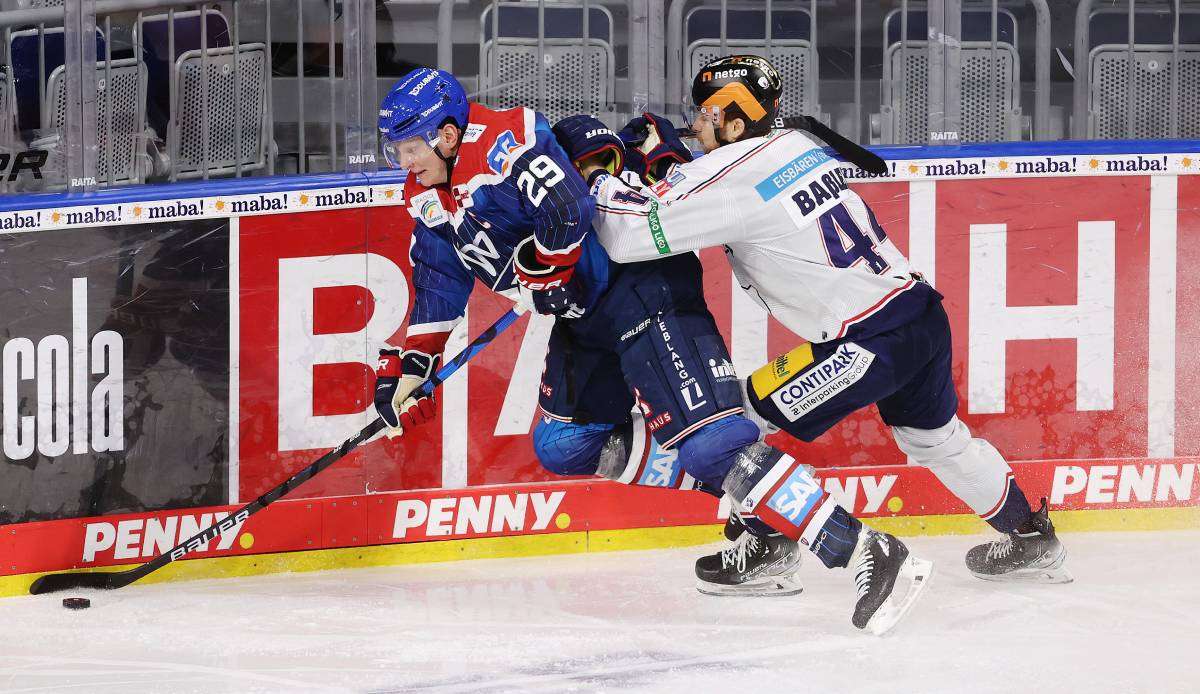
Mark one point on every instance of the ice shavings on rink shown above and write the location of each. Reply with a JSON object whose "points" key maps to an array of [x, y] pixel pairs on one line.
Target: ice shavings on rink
{"points": [[629, 621]]}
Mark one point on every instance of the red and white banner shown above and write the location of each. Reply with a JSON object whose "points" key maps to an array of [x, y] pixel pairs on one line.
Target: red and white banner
{"points": [[558, 507], [1055, 298]]}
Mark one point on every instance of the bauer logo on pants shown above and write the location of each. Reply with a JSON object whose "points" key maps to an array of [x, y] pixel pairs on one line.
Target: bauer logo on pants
{"points": [[823, 381]]}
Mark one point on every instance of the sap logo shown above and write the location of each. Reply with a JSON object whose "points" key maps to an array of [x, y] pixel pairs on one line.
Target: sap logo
{"points": [[62, 370], [31, 160], [1105, 484], [874, 489], [468, 515], [150, 537], [795, 497], [662, 469]]}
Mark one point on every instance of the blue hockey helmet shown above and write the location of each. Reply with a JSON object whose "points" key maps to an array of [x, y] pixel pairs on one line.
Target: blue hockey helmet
{"points": [[417, 106]]}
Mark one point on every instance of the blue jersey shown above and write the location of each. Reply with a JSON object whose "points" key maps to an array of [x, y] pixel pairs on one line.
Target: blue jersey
{"points": [[510, 180]]}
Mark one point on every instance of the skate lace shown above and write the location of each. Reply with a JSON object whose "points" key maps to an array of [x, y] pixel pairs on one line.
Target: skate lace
{"points": [[1000, 548], [863, 572], [736, 556]]}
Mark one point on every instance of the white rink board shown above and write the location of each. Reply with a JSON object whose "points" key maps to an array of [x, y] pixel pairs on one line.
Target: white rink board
{"points": [[628, 622]]}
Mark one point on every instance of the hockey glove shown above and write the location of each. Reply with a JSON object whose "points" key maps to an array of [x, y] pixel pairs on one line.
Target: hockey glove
{"points": [[397, 377], [652, 146], [546, 288], [587, 141]]}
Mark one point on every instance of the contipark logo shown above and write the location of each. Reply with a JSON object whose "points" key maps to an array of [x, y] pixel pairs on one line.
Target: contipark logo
{"points": [[145, 538], [823, 381], [466, 516]]}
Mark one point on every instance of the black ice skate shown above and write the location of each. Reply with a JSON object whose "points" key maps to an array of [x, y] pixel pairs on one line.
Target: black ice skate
{"points": [[880, 562], [1032, 554], [754, 566]]}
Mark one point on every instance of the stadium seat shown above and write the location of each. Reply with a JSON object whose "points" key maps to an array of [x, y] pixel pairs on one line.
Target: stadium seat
{"points": [[23, 51], [1110, 86], [120, 121], [579, 79], [991, 91], [791, 51]]}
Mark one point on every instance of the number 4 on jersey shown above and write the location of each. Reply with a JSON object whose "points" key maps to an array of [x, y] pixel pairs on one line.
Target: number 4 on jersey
{"points": [[847, 244]]}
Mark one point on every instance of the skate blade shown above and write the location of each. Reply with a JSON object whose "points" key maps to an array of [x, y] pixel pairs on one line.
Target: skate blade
{"points": [[772, 586], [1045, 575], [918, 572]]}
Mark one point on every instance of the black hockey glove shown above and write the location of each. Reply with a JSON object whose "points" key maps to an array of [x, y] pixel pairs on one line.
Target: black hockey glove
{"points": [[652, 146]]}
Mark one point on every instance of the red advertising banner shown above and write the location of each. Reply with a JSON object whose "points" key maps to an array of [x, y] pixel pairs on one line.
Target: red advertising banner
{"points": [[1054, 299], [546, 508]]}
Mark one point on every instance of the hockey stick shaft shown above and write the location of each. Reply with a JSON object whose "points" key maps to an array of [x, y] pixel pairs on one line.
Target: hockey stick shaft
{"points": [[112, 580], [849, 150]]}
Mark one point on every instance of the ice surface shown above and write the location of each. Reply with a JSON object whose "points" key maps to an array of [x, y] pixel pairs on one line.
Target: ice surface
{"points": [[628, 621]]}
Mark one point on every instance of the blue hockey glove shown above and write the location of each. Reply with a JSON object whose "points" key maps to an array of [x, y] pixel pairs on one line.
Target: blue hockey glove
{"points": [[652, 146], [584, 138]]}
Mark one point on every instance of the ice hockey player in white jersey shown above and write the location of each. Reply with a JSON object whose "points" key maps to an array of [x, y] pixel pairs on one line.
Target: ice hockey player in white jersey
{"points": [[810, 251]]}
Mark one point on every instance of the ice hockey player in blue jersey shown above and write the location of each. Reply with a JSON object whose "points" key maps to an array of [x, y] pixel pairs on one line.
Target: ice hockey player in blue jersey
{"points": [[638, 385]]}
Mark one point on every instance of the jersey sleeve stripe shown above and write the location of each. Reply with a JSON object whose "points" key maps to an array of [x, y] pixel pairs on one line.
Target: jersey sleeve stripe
{"points": [[729, 167], [429, 328], [613, 210]]}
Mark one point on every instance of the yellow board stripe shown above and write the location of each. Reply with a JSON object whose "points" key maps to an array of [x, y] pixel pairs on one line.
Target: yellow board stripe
{"points": [[598, 541], [767, 379]]}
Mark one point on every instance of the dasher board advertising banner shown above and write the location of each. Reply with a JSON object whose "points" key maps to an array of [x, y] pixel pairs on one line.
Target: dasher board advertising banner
{"points": [[115, 369]]}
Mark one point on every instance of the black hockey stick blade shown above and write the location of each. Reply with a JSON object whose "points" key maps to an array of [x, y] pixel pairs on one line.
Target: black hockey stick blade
{"points": [[53, 583], [851, 151]]}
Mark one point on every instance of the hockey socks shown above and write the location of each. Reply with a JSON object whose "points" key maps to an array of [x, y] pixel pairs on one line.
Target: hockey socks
{"points": [[1012, 513], [783, 494]]}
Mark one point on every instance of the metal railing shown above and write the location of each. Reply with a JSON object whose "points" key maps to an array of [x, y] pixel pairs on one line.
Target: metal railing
{"points": [[167, 90]]}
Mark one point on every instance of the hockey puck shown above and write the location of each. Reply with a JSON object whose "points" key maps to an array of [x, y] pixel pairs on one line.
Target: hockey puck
{"points": [[76, 603]]}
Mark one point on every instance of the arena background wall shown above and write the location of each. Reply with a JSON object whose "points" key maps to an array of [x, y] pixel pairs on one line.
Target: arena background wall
{"points": [[171, 351]]}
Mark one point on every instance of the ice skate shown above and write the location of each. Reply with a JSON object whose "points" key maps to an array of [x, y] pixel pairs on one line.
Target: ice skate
{"points": [[755, 566], [1035, 556], [882, 564]]}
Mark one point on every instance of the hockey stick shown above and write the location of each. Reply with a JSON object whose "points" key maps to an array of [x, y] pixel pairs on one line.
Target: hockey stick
{"points": [[53, 583], [850, 151]]}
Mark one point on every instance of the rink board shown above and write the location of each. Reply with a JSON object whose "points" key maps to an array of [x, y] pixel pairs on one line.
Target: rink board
{"points": [[247, 314]]}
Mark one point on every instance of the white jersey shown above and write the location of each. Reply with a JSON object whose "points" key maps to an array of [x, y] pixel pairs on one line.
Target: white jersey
{"points": [[801, 243]]}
